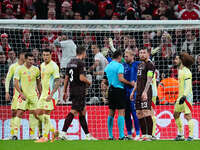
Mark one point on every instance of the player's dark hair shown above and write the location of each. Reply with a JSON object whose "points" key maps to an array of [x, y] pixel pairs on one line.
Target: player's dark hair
{"points": [[80, 50], [20, 52], [117, 54], [187, 60], [46, 50], [28, 54]]}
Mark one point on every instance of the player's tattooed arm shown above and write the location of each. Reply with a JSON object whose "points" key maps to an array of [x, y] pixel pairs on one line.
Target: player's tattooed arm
{"points": [[149, 81], [56, 85]]}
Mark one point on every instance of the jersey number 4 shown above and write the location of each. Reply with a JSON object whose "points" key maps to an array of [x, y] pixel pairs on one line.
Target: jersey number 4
{"points": [[71, 72]]}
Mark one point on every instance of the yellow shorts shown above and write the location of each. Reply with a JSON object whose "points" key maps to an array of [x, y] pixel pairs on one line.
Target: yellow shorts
{"points": [[185, 107], [28, 104], [43, 104]]}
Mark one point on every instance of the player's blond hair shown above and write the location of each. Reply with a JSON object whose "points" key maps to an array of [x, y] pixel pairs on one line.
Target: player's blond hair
{"points": [[129, 51]]}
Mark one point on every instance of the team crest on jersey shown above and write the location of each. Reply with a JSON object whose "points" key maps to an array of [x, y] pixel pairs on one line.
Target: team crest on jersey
{"points": [[141, 66], [24, 73]]}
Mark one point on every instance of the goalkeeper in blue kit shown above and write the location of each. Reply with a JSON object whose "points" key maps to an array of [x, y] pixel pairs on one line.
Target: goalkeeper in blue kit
{"points": [[130, 74]]}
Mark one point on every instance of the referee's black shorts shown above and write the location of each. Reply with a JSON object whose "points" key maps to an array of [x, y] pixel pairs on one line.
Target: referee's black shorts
{"points": [[116, 98]]}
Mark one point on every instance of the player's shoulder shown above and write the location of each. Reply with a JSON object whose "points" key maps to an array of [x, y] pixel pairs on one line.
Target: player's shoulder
{"points": [[14, 65], [187, 70], [53, 64]]}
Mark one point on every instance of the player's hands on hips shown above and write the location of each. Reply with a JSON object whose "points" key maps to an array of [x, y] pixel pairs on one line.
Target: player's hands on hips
{"points": [[49, 98], [144, 96], [182, 100], [7, 96]]}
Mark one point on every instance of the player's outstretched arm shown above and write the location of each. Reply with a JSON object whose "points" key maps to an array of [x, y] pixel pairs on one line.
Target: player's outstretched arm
{"points": [[123, 80]]}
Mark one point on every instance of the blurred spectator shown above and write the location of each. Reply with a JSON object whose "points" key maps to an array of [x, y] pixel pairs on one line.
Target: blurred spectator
{"points": [[190, 43], [2, 90], [86, 8], [51, 14], [108, 12], [167, 47], [163, 12], [8, 12], [3, 64], [37, 57], [66, 11], [116, 16], [77, 15], [19, 9], [130, 43], [11, 57], [4, 44], [196, 83], [190, 12], [131, 14], [178, 38], [145, 41], [123, 6], [41, 9], [145, 7], [164, 58]]}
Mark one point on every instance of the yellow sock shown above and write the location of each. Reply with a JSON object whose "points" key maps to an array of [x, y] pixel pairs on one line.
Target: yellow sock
{"points": [[191, 127], [179, 125], [33, 123], [16, 125], [154, 125], [11, 126], [46, 126], [51, 128]]}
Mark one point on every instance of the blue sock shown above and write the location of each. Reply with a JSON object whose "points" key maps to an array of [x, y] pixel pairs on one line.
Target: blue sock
{"points": [[120, 123], [136, 121], [110, 126], [128, 121]]}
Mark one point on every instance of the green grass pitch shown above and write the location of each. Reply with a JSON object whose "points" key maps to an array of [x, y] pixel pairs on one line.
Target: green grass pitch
{"points": [[100, 145]]}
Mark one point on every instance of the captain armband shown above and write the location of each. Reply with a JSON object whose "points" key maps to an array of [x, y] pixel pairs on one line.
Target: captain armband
{"points": [[150, 74]]}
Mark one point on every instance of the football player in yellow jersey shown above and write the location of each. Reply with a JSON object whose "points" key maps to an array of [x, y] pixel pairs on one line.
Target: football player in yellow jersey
{"points": [[9, 77], [50, 79], [184, 102], [26, 82]]}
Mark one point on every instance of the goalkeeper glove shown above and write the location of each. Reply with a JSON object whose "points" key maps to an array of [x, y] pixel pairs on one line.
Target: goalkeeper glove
{"points": [[182, 100], [155, 50], [111, 45]]}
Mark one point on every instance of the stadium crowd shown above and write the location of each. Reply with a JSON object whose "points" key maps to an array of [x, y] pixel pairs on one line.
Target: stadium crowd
{"points": [[100, 9], [167, 42]]}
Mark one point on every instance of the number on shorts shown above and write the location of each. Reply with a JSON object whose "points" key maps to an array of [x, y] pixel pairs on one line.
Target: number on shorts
{"points": [[144, 105], [71, 72]]}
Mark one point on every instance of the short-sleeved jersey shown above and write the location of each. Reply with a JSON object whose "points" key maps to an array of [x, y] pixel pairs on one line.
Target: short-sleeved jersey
{"points": [[185, 83], [143, 68], [75, 68], [49, 72], [10, 75], [112, 70], [27, 78]]}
